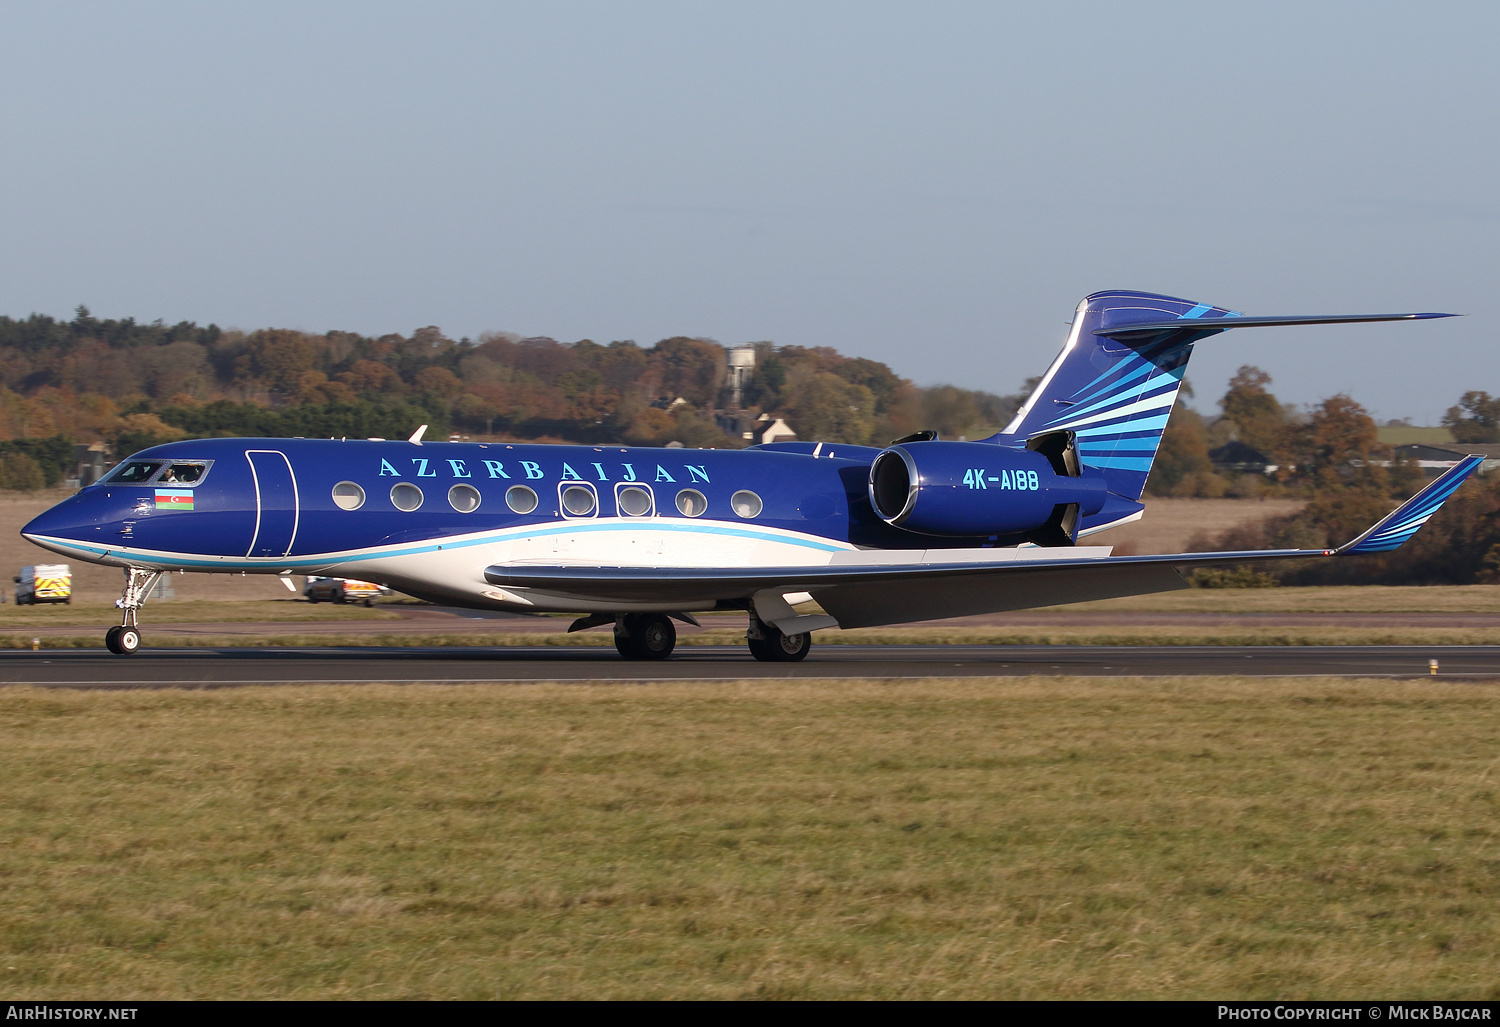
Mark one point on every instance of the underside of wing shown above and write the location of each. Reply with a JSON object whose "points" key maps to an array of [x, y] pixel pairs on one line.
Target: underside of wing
{"points": [[871, 588]]}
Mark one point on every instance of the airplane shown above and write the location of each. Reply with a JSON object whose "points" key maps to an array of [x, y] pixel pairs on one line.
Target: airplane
{"points": [[635, 537]]}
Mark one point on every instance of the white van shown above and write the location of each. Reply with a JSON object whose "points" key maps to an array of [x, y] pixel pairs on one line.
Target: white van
{"points": [[44, 583]]}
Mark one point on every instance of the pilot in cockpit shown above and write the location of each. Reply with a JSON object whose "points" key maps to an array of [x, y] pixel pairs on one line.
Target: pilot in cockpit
{"points": [[182, 474]]}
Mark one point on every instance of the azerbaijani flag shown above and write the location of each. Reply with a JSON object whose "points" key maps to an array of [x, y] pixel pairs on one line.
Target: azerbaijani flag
{"points": [[174, 499]]}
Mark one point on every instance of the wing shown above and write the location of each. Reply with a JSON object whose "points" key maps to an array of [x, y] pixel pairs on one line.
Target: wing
{"points": [[874, 587]]}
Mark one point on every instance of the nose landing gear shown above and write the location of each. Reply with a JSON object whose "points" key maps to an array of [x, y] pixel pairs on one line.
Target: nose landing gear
{"points": [[125, 638]]}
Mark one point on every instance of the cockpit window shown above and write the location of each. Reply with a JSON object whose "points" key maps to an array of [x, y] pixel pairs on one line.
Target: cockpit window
{"points": [[134, 472], [182, 474], [162, 472]]}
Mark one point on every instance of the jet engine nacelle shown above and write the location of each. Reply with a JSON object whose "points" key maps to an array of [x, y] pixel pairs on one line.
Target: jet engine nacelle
{"points": [[973, 488]]}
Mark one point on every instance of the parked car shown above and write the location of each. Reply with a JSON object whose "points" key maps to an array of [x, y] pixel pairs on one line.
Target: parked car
{"points": [[44, 583], [343, 590]]}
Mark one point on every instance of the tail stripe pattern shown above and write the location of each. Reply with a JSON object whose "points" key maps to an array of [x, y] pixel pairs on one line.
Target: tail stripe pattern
{"points": [[1132, 403]]}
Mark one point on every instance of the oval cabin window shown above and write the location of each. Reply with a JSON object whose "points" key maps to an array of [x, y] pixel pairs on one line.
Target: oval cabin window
{"points": [[348, 496], [578, 501], [746, 503], [521, 499], [634, 501], [406, 496], [464, 498]]}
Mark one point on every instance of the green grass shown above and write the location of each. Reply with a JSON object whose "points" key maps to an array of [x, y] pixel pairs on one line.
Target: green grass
{"points": [[1019, 838]]}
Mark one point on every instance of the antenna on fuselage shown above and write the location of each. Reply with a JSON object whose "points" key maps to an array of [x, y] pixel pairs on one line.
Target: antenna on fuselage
{"points": [[416, 436]]}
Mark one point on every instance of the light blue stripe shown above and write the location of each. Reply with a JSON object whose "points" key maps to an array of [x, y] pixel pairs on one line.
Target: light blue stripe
{"points": [[1167, 381], [1198, 311], [1120, 463], [1153, 422], [432, 547]]}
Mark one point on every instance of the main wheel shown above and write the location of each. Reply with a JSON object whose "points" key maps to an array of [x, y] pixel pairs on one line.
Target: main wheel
{"points": [[776, 647], [128, 641], [645, 636], [112, 640]]}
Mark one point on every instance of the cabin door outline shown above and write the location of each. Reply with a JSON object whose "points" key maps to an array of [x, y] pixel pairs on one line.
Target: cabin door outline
{"points": [[275, 484]]}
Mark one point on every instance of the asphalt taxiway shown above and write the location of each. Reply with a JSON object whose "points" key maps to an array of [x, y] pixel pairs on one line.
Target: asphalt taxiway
{"points": [[230, 667]]}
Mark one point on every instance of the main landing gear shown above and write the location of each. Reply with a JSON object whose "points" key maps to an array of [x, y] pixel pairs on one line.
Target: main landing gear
{"points": [[125, 638], [645, 636], [770, 644], [651, 636]]}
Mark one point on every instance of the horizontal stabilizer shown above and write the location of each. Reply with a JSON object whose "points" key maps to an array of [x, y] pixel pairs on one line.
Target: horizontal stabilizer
{"points": [[1124, 327]]}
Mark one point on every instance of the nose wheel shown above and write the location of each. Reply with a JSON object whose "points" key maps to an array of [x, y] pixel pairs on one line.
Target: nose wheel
{"points": [[125, 638]]}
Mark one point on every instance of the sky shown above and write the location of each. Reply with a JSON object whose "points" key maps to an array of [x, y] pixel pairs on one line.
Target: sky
{"points": [[934, 185]]}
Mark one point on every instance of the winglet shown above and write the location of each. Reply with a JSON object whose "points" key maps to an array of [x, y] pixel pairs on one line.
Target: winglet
{"points": [[416, 436], [1403, 522]]}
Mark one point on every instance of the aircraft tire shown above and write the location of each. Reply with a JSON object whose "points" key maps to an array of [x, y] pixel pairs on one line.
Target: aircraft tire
{"points": [[112, 640], [128, 640], [646, 636], [779, 648]]}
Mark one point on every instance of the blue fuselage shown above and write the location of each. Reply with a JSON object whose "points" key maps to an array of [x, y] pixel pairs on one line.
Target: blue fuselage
{"points": [[273, 499]]}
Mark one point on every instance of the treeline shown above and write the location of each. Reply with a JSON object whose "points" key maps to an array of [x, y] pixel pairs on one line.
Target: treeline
{"points": [[1331, 456], [1331, 447], [1460, 545], [131, 384]]}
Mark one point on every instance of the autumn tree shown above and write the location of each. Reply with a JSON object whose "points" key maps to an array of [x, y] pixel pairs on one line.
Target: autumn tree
{"points": [[826, 408], [1255, 413], [1337, 448], [1476, 418], [20, 472]]}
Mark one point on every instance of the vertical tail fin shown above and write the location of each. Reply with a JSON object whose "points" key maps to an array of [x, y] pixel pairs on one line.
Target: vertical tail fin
{"points": [[1115, 391]]}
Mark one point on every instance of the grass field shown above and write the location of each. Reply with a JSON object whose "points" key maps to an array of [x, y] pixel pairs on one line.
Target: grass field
{"points": [[1024, 838]]}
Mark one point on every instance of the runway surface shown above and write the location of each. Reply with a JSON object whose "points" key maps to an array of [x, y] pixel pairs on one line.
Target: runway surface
{"points": [[216, 668]]}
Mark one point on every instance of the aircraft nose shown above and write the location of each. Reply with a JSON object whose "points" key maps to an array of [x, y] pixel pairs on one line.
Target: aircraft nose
{"points": [[49, 522], [81, 518]]}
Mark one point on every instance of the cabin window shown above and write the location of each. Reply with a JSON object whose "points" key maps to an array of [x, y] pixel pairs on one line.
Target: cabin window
{"points": [[634, 501], [464, 498], [746, 503], [134, 472], [520, 499], [691, 503], [406, 496], [348, 496], [578, 500]]}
